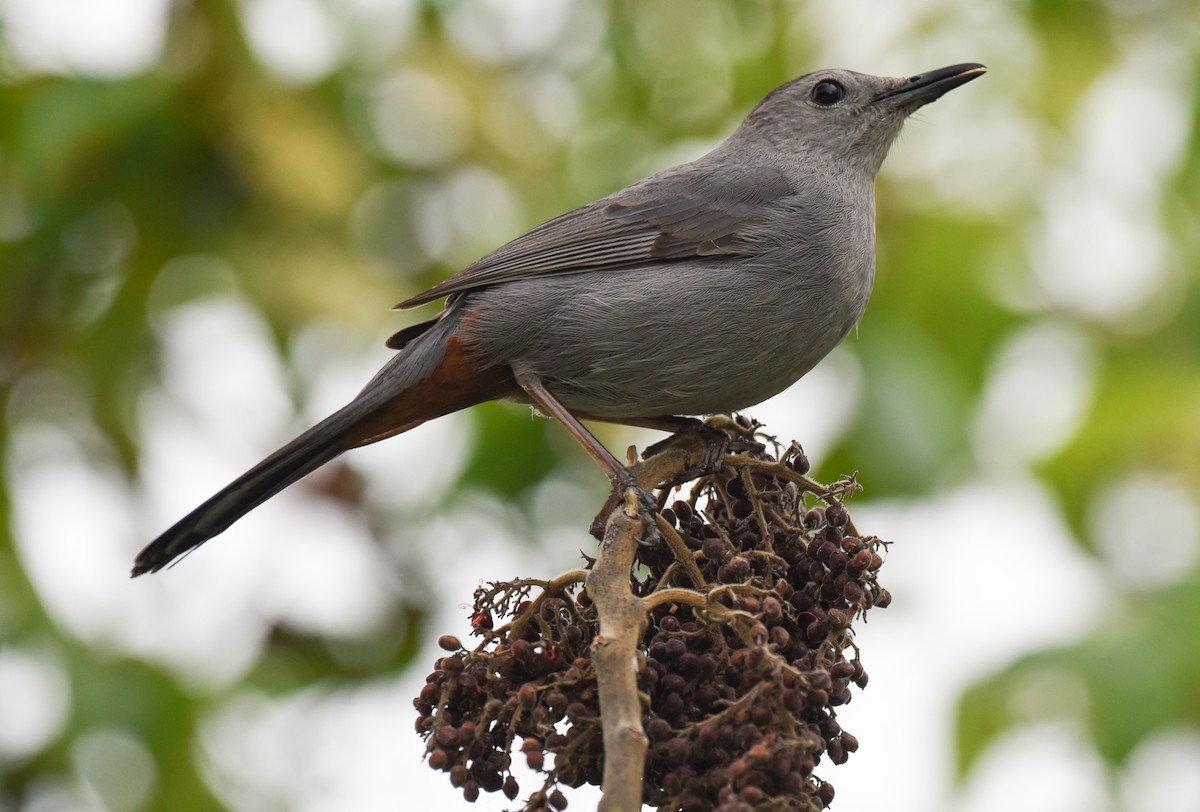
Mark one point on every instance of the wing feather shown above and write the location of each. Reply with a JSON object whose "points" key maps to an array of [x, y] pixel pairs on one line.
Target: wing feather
{"points": [[686, 212]]}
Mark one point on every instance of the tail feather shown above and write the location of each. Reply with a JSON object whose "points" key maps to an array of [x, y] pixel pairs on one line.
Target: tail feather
{"points": [[433, 375], [300, 457]]}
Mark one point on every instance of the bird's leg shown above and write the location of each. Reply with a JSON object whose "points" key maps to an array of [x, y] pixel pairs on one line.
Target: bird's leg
{"points": [[620, 476]]}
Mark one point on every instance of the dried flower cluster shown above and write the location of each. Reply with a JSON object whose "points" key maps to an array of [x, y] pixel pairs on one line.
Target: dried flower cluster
{"points": [[747, 655]]}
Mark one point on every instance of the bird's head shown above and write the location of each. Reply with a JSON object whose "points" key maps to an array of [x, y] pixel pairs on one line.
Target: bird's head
{"points": [[843, 116]]}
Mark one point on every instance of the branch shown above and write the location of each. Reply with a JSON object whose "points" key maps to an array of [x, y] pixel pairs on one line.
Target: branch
{"points": [[615, 655]]}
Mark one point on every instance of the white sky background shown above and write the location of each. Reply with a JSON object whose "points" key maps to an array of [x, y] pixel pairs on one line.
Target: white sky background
{"points": [[354, 749]]}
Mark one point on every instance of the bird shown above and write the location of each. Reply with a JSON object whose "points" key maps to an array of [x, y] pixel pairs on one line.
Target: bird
{"points": [[705, 288]]}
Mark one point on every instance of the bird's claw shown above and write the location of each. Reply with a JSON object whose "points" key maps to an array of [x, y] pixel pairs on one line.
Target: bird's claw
{"points": [[718, 443], [647, 508]]}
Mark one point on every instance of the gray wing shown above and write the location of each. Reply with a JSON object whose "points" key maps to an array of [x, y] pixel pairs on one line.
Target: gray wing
{"points": [[691, 211]]}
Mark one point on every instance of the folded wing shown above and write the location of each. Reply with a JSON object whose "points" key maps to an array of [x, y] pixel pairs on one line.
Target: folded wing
{"points": [[680, 214]]}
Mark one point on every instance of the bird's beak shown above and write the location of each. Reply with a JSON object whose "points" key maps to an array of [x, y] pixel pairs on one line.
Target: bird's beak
{"points": [[926, 87]]}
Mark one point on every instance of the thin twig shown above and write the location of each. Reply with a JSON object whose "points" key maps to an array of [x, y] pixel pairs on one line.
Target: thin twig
{"points": [[683, 553]]}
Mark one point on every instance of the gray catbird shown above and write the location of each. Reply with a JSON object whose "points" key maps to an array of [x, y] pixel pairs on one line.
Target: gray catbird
{"points": [[705, 288]]}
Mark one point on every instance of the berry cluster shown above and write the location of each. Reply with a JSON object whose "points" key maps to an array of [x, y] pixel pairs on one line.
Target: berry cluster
{"points": [[745, 654]]}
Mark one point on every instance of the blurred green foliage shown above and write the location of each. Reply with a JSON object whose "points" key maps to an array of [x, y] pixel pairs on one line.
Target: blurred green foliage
{"points": [[318, 195], [1133, 677]]}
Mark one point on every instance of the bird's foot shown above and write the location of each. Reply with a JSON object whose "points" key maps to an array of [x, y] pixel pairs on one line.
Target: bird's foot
{"points": [[720, 437], [646, 504], [717, 438]]}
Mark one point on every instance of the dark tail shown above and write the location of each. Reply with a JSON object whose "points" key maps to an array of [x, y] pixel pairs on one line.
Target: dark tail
{"points": [[300, 457], [431, 376], [396, 399]]}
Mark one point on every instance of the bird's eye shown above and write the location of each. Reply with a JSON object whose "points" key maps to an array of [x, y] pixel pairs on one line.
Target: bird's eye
{"points": [[827, 93]]}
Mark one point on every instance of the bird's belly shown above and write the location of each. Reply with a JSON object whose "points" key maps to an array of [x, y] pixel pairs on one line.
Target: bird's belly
{"points": [[681, 339]]}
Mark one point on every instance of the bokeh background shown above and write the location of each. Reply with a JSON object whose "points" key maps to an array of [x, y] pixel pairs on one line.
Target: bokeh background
{"points": [[207, 208]]}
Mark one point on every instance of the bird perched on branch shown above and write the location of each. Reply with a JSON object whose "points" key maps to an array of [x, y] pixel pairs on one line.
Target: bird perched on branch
{"points": [[705, 288]]}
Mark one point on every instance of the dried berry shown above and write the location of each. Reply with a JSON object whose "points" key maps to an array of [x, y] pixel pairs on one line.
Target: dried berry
{"points": [[741, 696], [713, 549], [800, 463]]}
